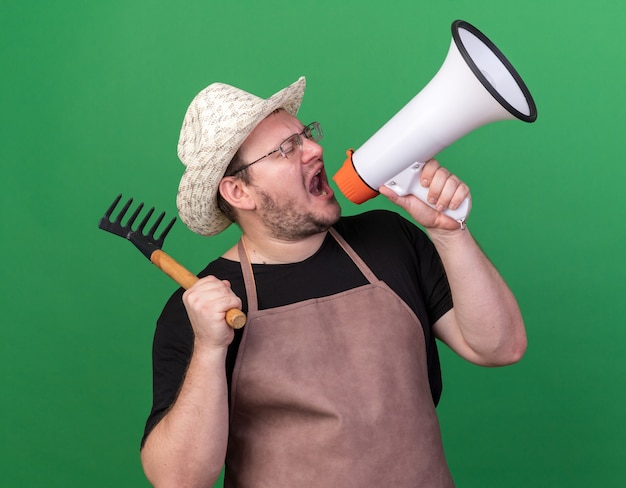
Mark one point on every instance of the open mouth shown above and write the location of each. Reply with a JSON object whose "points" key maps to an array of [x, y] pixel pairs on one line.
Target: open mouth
{"points": [[318, 186]]}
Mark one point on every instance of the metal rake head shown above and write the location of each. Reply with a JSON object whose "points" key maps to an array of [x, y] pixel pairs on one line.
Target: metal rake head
{"points": [[146, 243]]}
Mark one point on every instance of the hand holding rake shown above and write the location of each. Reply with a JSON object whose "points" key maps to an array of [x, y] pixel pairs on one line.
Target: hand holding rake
{"points": [[150, 247]]}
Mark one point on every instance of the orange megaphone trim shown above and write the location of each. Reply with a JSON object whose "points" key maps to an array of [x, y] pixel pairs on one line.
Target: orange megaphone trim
{"points": [[351, 184]]}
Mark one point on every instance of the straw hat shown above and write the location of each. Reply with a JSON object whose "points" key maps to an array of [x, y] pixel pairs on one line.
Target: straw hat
{"points": [[217, 122]]}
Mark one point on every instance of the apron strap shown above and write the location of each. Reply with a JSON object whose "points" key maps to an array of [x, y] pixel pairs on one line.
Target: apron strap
{"points": [[364, 268], [248, 276]]}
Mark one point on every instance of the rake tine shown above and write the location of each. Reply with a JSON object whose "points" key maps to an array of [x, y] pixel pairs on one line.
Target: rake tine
{"points": [[167, 230], [123, 211], [156, 224], [109, 211], [134, 216], [145, 220]]}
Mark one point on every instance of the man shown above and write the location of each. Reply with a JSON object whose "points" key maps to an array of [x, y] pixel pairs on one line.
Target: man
{"points": [[334, 379]]}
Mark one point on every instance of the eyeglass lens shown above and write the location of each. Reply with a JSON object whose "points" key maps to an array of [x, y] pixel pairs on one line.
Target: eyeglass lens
{"points": [[312, 132]]}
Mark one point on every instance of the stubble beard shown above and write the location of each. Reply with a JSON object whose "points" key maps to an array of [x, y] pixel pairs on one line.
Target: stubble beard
{"points": [[287, 221]]}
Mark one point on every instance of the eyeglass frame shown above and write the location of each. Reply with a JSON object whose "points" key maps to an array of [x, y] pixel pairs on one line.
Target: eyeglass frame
{"points": [[307, 128]]}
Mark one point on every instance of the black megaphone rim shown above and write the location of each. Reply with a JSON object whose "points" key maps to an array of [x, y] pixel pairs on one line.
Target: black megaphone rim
{"points": [[461, 24]]}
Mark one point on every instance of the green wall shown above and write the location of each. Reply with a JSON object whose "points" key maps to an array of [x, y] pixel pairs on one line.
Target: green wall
{"points": [[92, 97]]}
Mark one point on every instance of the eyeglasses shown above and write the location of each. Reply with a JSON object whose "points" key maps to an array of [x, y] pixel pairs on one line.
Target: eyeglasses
{"points": [[312, 132]]}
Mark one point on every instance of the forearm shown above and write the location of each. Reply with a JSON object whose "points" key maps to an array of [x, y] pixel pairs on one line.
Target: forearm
{"points": [[486, 313], [188, 446]]}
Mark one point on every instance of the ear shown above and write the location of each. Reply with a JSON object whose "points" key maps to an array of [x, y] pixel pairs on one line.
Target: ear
{"points": [[237, 193]]}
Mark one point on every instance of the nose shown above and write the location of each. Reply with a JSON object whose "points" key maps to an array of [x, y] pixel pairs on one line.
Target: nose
{"points": [[311, 151]]}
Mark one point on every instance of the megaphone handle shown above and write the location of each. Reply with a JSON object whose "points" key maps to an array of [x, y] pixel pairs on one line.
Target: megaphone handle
{"points": [[408, 182]]}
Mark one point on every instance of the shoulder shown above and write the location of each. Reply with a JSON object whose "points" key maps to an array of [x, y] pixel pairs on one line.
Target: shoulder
{"points": [[390, 243], [379, 227], [223, 268], [371, 216]]}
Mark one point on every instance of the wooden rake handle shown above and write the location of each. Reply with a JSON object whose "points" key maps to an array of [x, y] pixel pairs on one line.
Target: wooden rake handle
{"points": [[185, 278]]}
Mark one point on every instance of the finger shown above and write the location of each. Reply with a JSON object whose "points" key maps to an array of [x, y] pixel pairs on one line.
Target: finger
{"points": [[461, 193], [448, 193], [428, 172], [208, 286], [437, 185], [209, 283], [388, 192]]}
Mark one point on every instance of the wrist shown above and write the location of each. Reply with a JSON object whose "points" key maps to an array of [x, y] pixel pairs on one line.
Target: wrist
{"points": [[209, 352], [449, 237]]}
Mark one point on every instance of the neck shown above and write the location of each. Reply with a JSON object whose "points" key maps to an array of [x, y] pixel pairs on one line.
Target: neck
{"points": [[275, 251], [264, 250]]}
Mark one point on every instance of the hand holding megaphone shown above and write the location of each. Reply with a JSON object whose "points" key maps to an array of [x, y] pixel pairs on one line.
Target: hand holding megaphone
{"points": [[408, 182], [449, 199], [476, 85]]}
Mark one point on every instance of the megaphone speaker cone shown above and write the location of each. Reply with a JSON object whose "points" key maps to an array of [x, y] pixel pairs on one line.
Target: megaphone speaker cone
{"points": [[494, 71]]}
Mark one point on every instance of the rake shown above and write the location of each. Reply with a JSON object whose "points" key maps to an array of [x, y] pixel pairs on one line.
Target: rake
{"points": [[150, 247]]}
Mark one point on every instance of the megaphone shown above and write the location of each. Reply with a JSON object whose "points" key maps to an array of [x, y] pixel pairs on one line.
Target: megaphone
{"points": [[476, 85]]}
